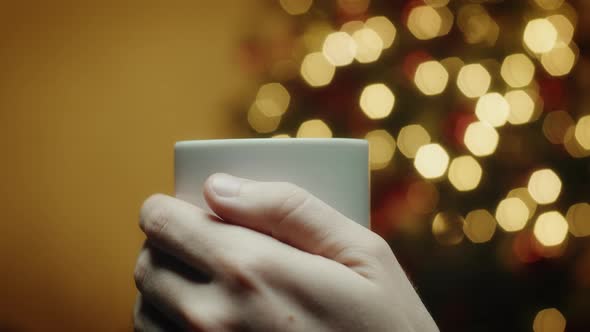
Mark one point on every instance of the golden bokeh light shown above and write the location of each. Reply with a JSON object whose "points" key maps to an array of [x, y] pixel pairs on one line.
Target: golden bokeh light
{"points": [[474, 80], [578, 219], [339, 48], [447, 19], [448, 228], [261, 122], [517, 70], [351, 27], [555, 126], [582, 132], [512, 214], [411, 138], [540, 35], [573, 146], [493, 109], [281, 136], [377, 101], [522, 107], [431, 78], [549, 5], [479, 226], [368, 45], [315, 128], [549, 320], [544, 186], [481, 139], [381, 148], [353, 7], [436, 3], [477, 25], [564, 27], [384, 28], [315, 34], [424, 22], [550, 229], [523, 194], [431, 161], [296, 7], [465, 173], [273, 99], [316, 70], [452, 64], [559, 61]]}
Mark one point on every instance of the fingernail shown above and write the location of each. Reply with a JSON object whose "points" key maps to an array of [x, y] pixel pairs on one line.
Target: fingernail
{"points": [[226, 185]]}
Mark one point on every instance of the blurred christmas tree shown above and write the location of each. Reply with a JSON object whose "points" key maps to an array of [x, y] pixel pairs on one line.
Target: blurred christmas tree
{"points": [[477, 116]]}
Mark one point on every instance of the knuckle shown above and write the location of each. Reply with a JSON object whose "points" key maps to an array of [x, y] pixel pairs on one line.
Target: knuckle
{"points": [[141, 270], [198, 318], [155, 216], [244, 271], [377, 246]]}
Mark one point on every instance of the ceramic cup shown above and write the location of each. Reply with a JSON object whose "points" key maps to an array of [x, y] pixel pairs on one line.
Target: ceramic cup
{"points": [[335, 170]]}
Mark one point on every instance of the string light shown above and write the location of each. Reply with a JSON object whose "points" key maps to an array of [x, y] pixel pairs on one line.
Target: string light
{"points": [[481, 139], [384, 28], [559, 61], [296, 7], [273, 99], [523, 194], [550, 229], [377, 101], [448, 228], [339, 48], [549, 320], [431, 161], [582, 132], [261, 122], [578, 219], [465, 173], [411, 138], [315, 128], [381, 148], [493, 109], [316, 70], [564, 27], [517, 70], [522, 107], [544, 186], [540, 35], [474, 80], [431, 78], [369, 45], [512, 214], [549, 5], [479, 226], [556, 125]]}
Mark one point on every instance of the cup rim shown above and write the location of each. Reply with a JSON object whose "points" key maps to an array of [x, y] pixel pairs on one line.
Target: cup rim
{"points": [[251, 141]]}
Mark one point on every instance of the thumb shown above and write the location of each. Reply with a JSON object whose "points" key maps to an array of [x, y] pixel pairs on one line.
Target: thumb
{"points": [[286, 212]]}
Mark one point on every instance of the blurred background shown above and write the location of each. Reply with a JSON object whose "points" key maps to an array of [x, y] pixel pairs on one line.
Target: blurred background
{"points": [[476, 112]]}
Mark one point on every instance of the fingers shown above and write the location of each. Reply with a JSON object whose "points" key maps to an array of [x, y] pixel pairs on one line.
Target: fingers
{"points": [[146, 318], [178, 292], [286, 212]]}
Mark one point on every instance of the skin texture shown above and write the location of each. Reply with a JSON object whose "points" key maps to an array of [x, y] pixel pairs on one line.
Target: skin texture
{"points": [[275, 258]]}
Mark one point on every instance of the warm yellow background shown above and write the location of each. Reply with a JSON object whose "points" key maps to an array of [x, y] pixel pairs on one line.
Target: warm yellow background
{"points": [[92, 97]]}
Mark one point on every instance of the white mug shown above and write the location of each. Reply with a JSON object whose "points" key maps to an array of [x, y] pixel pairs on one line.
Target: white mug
{"points": [[336, 170]]}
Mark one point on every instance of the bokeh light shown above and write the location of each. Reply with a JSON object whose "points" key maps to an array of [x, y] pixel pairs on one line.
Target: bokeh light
{"points": [[369, 45], [481, 139], [474, 80], [339, 48], [522, 107], [411, 138], [353, 7], [540, 35], [261, 122], [512, 214], [465, 173], [578, 219], [353, 26], [315, 34], [377, 101], [564, 27], [426, 22], [316, 70], [447, 228], [493, 109], [431, 78], [315, 128], [477, 25], [431, 161], [273, 99], [582, 132], [281, 136], [436, 3], [296, 7], [381, 148], [544, 186], [549, 5], [384, 28], [549, 320], [479, 226], [517, 70], [523, 194], [550, 229], [559, 61], [555, 126]]}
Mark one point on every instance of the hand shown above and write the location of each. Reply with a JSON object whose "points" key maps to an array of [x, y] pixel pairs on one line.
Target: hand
{"points": [[276, 259]]}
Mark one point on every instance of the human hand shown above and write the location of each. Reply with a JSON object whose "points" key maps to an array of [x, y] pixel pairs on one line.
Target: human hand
{"points": [[276, 259]]}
